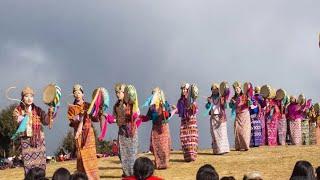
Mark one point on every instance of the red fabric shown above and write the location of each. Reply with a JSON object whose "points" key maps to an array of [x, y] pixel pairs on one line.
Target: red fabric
{"points": [[149, 178]]}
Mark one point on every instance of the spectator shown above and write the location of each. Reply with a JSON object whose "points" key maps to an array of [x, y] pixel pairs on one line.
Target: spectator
{"points": [[252, 176], [79, 176], [61, 174], [303, 170], [207, 172], [36, 173], [318, 173], [143, 169], [228, 178]]}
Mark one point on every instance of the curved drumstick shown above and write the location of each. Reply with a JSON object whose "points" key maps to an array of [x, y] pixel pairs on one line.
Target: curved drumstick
{"points": [[12, 99]]}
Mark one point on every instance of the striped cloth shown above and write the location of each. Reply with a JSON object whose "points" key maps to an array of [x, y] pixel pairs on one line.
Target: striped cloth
{"points": [[218, 128], [189, 138], [128, 152], [313, 133], [272, 131], [282, 130], [161, 144], [305, 139], [242, 130], [295, 131], [86, 156], [33, 156]]}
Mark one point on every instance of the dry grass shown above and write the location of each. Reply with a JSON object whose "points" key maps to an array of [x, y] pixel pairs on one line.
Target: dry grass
{"points": [[272, 162]]}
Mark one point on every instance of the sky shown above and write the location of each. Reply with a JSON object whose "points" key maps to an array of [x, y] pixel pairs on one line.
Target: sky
{"points": [[157, 43]]}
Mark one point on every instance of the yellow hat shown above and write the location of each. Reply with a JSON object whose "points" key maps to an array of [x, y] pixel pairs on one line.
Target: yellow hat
{"points": [[236, 84], [119, 87], [27, 90], [301, 99], [185, 85], [214, 86], [77, 87], [257, 89], [293, 99], [280, 94], [223, 86]]}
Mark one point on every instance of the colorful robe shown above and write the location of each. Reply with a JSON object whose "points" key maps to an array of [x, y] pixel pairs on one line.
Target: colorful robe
{"points": [[32, 141], [242, 124], [312, 116], [271, 117], [218, 125], [256, 125], [127, 136], [188, 129], [282, 123], [86, 143], [160, 134], [294, 115]]}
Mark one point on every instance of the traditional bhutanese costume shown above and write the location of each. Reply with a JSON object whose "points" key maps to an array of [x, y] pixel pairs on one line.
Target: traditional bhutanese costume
{"points": [[187, 110], [127, 136], [32, 141], [86, 143], [242, 124], [126, 115], [282, 122], [312, 116], [294, 115], [256, 127], [218, 124], [188, 129], [271, 117], [159, 113]]}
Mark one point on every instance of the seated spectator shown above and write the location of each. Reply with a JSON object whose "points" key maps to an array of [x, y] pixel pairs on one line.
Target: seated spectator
{"points": [[228, 178], [36, 174], [252, 176], [318, 173], [61, 174], [303, 170], [79, 176], [143, 169], [207, 172]]}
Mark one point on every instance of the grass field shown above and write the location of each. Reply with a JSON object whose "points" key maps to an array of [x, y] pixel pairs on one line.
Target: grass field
{"points": [[272, 162]]}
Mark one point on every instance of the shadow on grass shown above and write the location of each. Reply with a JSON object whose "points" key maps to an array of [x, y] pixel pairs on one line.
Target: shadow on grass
{"points": [[107, 177], [177, 160], [110, 168], [176, 153], [115, 161]]}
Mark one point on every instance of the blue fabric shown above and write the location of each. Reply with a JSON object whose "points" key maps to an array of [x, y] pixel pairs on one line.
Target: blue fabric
{"points": [[147, 102], [208, 109], [22, 127]]}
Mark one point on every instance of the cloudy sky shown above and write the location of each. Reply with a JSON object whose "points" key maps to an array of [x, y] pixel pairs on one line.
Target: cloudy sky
{"points": [[157, 43]]}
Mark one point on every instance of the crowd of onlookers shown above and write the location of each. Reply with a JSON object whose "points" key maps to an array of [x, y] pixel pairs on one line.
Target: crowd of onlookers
{"points": [[302, 170], [144, 169]]}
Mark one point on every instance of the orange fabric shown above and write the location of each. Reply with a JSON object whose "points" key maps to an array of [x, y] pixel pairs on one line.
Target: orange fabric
{"points": [[85, 144]]}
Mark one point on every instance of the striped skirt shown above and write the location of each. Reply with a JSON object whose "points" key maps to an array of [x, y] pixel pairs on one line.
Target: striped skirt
{"points": [[189, 138], [255, 131], [295, 131], [128, 152], [282, 130], [161, 144], [305, 132], [313, 133], [272, 131], [263, 130], [220, 142], [33, 156], [242, 130], [87, 156]]}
